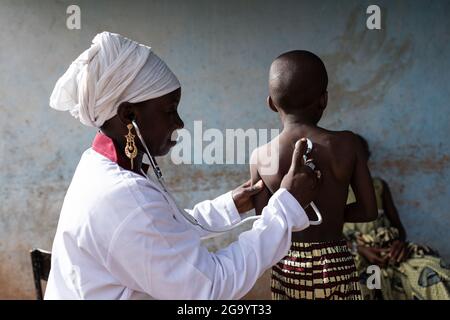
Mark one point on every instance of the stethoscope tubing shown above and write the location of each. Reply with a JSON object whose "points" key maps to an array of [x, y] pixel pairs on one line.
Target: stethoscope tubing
{"points": [[213, 232]]}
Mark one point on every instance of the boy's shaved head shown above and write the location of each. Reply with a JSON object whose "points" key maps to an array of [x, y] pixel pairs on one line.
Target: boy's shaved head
{"points": [[297, 79]]}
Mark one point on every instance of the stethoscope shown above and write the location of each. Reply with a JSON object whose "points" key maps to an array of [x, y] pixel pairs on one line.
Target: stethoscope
{"points": [[189, 217]]}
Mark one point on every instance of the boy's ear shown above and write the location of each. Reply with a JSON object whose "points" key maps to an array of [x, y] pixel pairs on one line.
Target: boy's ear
{"points": [[271, 104], [324, 100]]}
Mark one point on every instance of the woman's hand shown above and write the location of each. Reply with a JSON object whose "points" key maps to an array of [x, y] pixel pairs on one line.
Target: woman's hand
{"points": [[242, 195], [374, 255], [397, 251], [301, 180]]}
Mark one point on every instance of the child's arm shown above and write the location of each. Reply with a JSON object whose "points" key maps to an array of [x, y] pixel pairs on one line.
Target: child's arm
{"points": [[365, 207], [398, 249], [391, 211], [261, 199]]}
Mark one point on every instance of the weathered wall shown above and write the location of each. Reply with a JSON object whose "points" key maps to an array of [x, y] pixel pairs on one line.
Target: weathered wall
{"points": [[392, 86]]}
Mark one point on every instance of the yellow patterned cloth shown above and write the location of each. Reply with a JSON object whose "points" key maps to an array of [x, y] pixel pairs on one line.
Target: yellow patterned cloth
{"points": [[423, 275], [321, 270]]}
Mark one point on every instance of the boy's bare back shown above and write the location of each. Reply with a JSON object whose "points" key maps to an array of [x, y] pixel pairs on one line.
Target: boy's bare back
{"points": [[336, 155], [297, 85]]}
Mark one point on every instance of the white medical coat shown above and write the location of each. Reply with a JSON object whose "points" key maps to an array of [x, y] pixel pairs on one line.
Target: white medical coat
{"points": [[120, 237]]}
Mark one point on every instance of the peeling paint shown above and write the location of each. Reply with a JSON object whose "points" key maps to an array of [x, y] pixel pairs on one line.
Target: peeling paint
{"points": [[405, 165]]}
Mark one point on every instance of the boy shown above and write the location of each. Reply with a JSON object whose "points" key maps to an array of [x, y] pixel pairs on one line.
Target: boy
{"points": [[319, 264]]}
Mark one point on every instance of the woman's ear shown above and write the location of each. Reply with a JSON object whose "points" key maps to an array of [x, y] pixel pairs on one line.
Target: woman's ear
{"points": [[125, 112], [271, 104]]}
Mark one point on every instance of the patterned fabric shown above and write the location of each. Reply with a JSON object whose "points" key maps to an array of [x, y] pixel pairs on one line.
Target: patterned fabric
{"points": [[423, 275], [321, 270]]}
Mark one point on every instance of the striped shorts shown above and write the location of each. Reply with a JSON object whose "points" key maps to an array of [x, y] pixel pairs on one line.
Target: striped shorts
{"points": [[320, 270]]}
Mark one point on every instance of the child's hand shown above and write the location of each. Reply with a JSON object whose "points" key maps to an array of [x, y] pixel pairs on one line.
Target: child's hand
{"points": [[397, 251], [374, 255], [301, 180], [242, 195]]}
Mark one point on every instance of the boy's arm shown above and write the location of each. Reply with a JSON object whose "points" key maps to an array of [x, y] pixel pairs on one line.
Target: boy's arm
{"points": [[261, 199], [365, 207]]}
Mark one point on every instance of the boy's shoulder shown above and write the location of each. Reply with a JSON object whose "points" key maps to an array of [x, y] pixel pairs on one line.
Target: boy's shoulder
{"points": [[344, 138], [343, 134], [340, 145], [265, 152], [340, 150]]}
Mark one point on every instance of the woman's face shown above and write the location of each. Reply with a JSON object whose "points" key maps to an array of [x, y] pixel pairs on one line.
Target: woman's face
{"points": [[157, 119]]}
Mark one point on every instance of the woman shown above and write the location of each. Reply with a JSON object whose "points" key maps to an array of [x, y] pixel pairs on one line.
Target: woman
{"points": [[120, 234], [408, 270]]}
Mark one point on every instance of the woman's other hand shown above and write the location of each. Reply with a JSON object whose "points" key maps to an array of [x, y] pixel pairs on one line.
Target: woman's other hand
{"points": [[301, 180], [242, 195]]}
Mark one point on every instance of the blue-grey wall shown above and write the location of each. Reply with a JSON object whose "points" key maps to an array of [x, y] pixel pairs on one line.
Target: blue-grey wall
{"points": [[392, 86]]}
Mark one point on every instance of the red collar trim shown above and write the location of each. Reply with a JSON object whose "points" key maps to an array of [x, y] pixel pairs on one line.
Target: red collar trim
{"points": [[105, 146]]}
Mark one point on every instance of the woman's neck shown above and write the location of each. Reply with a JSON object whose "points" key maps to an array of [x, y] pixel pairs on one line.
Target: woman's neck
{"points": [[124, 161]]}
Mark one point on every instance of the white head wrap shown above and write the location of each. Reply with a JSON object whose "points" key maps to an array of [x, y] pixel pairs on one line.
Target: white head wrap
{"points": [[113, 70]]}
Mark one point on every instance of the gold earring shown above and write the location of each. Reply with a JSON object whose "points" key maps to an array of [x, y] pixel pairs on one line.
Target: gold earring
{"points": [[130, 147]]}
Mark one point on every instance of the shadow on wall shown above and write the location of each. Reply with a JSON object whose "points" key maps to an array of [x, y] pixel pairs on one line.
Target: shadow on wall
{"points": [[378, 59]]}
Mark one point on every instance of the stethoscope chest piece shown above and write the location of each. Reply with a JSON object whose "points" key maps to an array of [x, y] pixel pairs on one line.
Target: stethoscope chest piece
{"points": [[310, 164]]}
